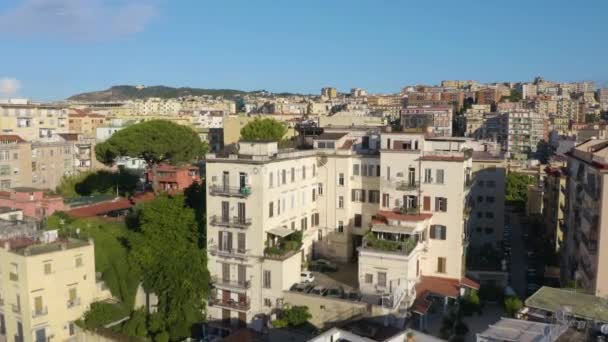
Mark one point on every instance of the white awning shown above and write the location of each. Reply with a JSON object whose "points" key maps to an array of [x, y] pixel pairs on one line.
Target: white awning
{"points": [[281, 231], [383, 228]]}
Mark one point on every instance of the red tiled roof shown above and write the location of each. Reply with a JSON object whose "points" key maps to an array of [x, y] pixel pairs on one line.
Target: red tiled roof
{"points": [[447, 287], [469, 283], [110, 206], [10, 138], [391, 215], [421, 305], [5, 194]]}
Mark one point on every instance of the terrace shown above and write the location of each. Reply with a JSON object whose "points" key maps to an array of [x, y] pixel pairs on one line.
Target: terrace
{"points": [[282, 243], [390, 242]]}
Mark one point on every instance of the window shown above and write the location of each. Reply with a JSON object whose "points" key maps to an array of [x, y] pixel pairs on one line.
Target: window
{"points": [[478, 229], [314, 170], [439, 175], [428, 176], [48, 269], [341, 179], [370, 170], [369, 278], [314, 194], [358, 195], [358, 220], [441, 263], [489, 214], [303, 171], [479, 199], [411, 202], [364, 170], [426, 203], [266, 283], [438, 232], [382, 279], [270, 209], [377, 170], [5, 170], [490, 199], [270, 180], [374, 196], [340, 202], [283, 176], [320, 189], [388, 173], [320, 235], [225, 211], [386, 200], [489, 230], [480, 183], [267, 302], [293, 174], [278, 207], [340, 228], [479, 214], [355, 169], [304, 223], [491, 184], [441, 204], [78, 261]]}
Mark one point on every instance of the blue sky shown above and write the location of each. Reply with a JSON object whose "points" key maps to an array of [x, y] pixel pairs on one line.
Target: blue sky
{"points": [[51, 49]]}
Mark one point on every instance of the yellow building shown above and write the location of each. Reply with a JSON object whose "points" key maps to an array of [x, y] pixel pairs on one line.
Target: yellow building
{"points": [[44, 287], [85, 122], [32, 121]]}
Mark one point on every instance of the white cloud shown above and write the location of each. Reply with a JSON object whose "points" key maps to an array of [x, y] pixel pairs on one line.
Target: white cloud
{"points": [[84, 20], [9, 87]]}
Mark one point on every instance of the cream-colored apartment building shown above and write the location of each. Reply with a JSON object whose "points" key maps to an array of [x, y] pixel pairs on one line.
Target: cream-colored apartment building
{"points": [[352, 190], [32, 121], [585, 250], [44, 287], [15, 162]]}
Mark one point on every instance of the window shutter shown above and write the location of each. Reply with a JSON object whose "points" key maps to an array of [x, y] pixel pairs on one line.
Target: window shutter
{"points": [[432, 232], [220, 240], [352, 195], [443, 232], [229, 241], [445, 204], [427, 203], [363, 196]]}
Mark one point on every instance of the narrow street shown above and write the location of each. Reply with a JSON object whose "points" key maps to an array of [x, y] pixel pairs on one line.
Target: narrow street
{"points": [[519, 262]]}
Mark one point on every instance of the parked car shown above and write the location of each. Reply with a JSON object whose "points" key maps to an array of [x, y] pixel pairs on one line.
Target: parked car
{"points": [[302, 287], [307, 277], [318, 290], [335, 292], [353, 295], [322, 265]]}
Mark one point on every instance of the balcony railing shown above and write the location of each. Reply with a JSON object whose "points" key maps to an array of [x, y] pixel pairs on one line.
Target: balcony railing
{"points": [[237, 284], [230, 304], [228, 253], [406, 210], [370, 241], [235, 222], [407, 185], [40, 312], [73, 302], [235, 191]]}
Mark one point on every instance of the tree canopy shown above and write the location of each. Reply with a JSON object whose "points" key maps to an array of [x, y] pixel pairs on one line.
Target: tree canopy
{"points": [[97, 183], [155, 141], [266, 129], [176, 272], [517, 188]]}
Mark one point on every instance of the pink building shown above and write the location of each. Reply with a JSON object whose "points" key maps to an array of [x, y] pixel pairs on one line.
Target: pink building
{"points": [[34, 202], [170, 178]]}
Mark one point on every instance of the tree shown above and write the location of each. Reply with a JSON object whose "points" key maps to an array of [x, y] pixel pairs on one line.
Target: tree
{"points": [[177, 271], [155, 141], [512, 305], [97, 183], [517, 188], [266, 129], [292, 316]]}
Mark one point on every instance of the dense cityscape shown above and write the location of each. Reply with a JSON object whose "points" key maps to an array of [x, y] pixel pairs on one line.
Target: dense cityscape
{"points": [[303, 171]]}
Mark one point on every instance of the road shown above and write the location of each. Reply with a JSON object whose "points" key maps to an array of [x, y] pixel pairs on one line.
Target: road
{"points": [[519, 263]]}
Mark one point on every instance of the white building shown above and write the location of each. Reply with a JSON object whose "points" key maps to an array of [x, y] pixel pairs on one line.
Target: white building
{"points": [[398, 200]]}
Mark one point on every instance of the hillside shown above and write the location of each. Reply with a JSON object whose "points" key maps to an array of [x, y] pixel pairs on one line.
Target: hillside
{"points": [[124, 92]]}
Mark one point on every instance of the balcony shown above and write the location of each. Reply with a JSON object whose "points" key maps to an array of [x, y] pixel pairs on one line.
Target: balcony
{"points": [[228, 253], [407, 185], [242, 305], [282, 243], [231, 191], [406, 210], [40, 312], [236, 222], [231, 284], [73, 302], [393, 244]]}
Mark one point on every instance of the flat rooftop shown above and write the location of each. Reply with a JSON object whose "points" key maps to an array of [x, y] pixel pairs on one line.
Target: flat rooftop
{"points": [[583, 305], [508, 329], [4, 210], [37, 248]]}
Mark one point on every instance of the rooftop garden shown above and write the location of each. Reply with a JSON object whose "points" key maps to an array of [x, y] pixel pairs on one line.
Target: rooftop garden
{"points": [[370, 240], [283, 246]]}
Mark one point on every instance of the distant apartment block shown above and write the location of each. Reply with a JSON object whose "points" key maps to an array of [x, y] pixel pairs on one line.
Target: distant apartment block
{"points": [[32, 121], [554, 204], [525, 129], [585, 251], [34, 203], [435, 120], [329, 92], [169, 178]]}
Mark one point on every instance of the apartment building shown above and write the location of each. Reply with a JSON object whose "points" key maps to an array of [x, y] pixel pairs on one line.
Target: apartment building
{"points": [[15, 162], [488, 197], [585, 248], [554, 199], [487, 96], [85, 122], [46, 283], [32, 121], [34, 203], [329, 92], [474, 119], [437, 120], [356, 192], [602, 95], [525, 129]]}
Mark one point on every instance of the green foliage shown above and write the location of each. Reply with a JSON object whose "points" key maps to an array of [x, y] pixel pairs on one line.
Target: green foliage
{"points": [[516, 190], [512, 305], [196, 199], [266, 129], [470, 303], [126, 92], [452, 327], [292, 317], [162, 337], [155, 141], [176, 272], [285, 245], [98, 182], [102, 313], [515, 96], [136, 326], [111, 254], [387, 245]]}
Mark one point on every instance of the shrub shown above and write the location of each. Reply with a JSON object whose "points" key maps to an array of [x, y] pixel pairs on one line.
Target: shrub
{"points": [[512, 305], [102, 313]]}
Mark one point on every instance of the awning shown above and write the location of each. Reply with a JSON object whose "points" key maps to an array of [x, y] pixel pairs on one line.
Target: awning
{"points": [[383, 228], [281, 231]]}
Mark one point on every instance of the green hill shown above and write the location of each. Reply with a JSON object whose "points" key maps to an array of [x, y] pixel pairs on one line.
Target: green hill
{"points": [[125, 92]]}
